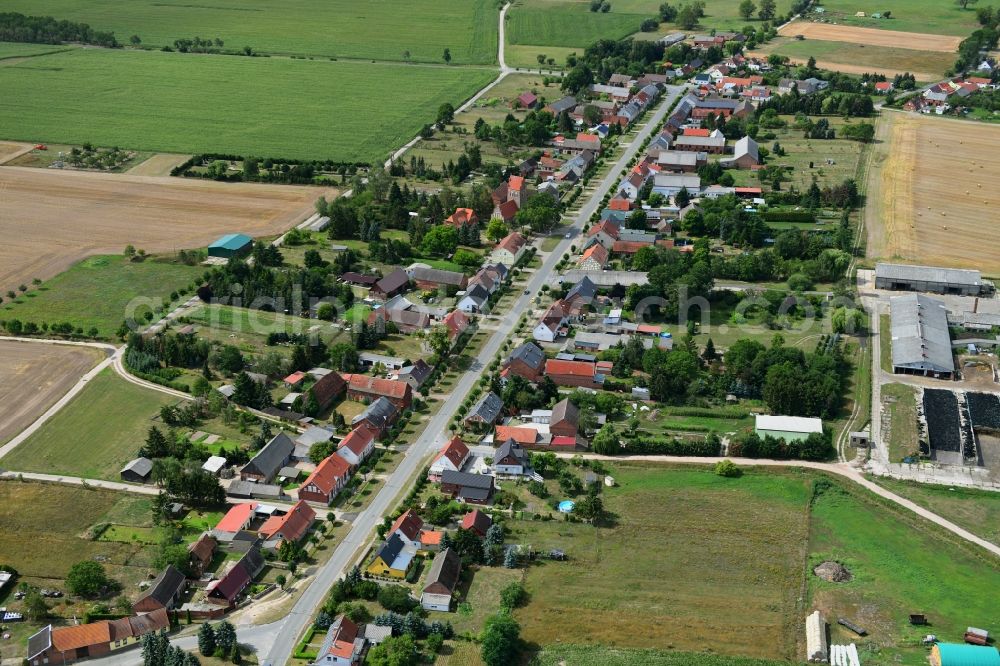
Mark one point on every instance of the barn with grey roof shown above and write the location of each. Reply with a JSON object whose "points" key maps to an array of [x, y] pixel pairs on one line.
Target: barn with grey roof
{"points": [[921, 343], [903, 277]]}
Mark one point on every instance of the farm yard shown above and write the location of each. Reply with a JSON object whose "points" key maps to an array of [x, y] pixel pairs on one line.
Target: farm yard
{"points": [[871, 36], [923, 16], [95, 435], [33, 376], [112, 211], [295, 109], [936, 181], [731, 568], [859, 58], [333, 29]]}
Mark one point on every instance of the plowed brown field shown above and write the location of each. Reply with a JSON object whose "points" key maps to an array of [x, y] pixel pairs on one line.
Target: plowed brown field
{"points": [[937, 193], [50, 219], [33, 376], [872, 36]]}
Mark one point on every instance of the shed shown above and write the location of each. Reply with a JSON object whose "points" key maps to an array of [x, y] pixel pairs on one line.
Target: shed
{"points": [[214, 464], [956, 654], [137, 471], [231, 245], [788, 428]]}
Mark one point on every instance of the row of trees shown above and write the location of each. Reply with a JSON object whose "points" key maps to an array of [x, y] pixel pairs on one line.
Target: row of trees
{"points": [[16, 27]]}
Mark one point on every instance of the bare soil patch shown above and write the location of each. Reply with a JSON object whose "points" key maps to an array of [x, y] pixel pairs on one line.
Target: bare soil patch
{"points": [[872, 36], [11, 149], [856, 69], [159, 164], [937, 188], [33, 375], [51, 219]]}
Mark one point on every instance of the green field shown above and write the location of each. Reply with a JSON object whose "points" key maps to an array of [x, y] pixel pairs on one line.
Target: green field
{"points": [[567, 24], [95, 435], [937, 17], [19, 50], [878, 58], [901, 408], [693, 560], [976, 510], [97, 292], [333, 28], [901, 564], [169, 102]]}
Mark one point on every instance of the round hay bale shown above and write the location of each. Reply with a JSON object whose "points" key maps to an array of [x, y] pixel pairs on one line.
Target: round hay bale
{"points": [[832, 572]]}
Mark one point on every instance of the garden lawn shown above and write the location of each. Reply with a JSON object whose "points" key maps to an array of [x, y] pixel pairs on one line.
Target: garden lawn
{"points": [[96, 434], [978, 511], [333, 28], [99, 292], [901, 564], [170, 102], [694, 559]]}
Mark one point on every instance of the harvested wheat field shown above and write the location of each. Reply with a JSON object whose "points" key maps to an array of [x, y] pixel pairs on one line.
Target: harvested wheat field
{"points": [[11, 149], [51, 219], [937, 191], [872, 36], [33, 375]]}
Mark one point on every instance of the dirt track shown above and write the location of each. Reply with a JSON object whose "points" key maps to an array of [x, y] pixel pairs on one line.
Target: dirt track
{"points": [[937, 188], [33, 376], [50, 219], [871, 36], [10, 149]]}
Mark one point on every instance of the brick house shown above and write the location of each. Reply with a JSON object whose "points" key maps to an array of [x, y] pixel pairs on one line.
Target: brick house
{"points": [[328, 479], [573, 373], [364, 388], [527, 361]]}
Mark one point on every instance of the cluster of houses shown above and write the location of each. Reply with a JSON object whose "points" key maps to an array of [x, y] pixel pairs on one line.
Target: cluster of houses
{"points": [[946, 95]]}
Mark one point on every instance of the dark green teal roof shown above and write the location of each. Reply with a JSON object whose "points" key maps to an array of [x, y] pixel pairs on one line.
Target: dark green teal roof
{"points": [[232, 242], [959, 654]]}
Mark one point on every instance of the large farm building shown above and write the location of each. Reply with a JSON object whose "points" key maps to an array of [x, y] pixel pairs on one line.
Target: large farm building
{"points": [[902, 277], [231, 245], [921, 343]]}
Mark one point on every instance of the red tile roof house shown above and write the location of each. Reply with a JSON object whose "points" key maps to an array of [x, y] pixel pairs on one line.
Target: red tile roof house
{"points": [[364, 388], [506, 211], [290, 527], [594, 258], [573, 373], [883, 87], [294, 380], [604, 232], [620, 203], [510, 249], [407, 321], [237, 519], [476, 521], [357, 446], [462, 217], [452, 456], [343, 645], [63, 645], [329, 387], [328, 479], [456, 321], [522, 435], [408, 526], [201, 552], [518, 190]]}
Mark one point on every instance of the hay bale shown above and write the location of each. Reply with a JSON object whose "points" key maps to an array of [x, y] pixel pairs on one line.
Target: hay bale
{"points": [[832, 572]]}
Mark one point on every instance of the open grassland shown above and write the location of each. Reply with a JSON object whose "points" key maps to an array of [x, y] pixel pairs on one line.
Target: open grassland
{"points": [[19, 50], [937, 17], [168, 102], [567, 24], [871, 36], [248, 329], [852, 57], [333, 28], [52, 219], [900, 565], [96, 434], [937, 182], [599, 655], [976, 510], [46, 530], [693, 560], [526, 56], [101, 292], [33, 376], [901, 409]]}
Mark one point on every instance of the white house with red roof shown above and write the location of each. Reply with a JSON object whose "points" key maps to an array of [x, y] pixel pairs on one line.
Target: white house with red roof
{"points": [[357, 446], [343, 645], [451, 457], [291, 526], [408, 526], [456, 322], [237, 519], [510, 249]]}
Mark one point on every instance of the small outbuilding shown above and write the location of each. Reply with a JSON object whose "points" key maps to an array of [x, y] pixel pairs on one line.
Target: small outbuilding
{"points": [[957, 654], [231, 245], [788, 428], [137, 471]]}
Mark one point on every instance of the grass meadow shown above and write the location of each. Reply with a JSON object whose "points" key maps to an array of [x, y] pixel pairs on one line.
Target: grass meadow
{"points": [[901, 408], [901, 564], [169, 102], [19, 50], [334, 28], [976, 510], [96, 292], [599, 655], [95, 435], [693, 560], [928, 16]]}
